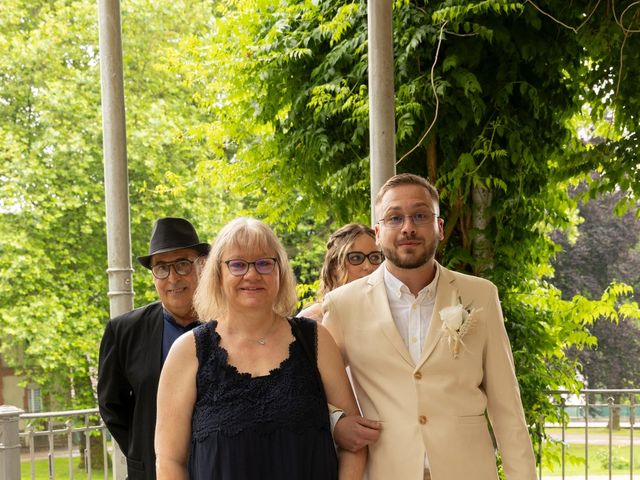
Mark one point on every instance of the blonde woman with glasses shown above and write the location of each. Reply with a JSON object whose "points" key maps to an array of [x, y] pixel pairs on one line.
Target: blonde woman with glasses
{"points": [[244, 396]]}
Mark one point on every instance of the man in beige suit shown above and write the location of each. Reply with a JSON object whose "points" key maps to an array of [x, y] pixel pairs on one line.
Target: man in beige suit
{"points": [[429, 354]]}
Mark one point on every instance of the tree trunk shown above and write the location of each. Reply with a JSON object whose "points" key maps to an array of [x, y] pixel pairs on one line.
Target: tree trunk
{"points": [[613, 406], [432, 160], [615, 416], [97, 451], [481, 246]]}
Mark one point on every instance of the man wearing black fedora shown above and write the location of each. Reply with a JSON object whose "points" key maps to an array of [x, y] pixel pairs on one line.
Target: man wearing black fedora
{"points": [[135, 344]]}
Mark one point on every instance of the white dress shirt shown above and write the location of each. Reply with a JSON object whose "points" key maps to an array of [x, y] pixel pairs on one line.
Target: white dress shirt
{"points": [[411, 314]]}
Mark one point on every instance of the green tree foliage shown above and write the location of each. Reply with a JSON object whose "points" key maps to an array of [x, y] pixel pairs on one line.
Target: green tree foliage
{"points": [[51, 240], [53, 300]]}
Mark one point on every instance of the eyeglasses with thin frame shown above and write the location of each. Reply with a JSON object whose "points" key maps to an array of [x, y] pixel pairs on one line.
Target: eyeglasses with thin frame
{"points": [[182, 267], [239, 267], [395, 220], [356, 258]]}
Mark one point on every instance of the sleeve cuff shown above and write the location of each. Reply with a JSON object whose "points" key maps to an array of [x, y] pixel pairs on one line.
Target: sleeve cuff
{"points": [[334, 416]]}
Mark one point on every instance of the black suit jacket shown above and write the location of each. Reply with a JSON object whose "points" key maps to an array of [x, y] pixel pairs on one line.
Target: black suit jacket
{"points": [[128, 375]]}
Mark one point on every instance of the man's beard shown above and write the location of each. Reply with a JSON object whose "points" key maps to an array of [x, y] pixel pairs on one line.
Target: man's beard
{"points": [[413, 262]]}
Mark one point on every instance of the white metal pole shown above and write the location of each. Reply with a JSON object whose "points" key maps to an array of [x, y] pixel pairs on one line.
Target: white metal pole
{"points": [[382, 145], [116, 179], [9, 442]]}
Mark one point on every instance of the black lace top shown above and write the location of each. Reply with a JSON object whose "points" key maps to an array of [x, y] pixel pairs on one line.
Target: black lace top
{"points": [[270, 427]]}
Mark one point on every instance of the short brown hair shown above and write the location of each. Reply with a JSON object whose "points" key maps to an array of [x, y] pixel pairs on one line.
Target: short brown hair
{"points": [[407, 179], [334, 273], [209, 300]]}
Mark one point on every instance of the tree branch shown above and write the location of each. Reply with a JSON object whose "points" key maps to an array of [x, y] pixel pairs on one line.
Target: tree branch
{"points": [[435, 95], [574, 30], [628, 30]]}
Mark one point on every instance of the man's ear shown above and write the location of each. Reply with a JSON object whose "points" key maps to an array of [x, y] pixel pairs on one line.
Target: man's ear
{"points": [[200, 261]]}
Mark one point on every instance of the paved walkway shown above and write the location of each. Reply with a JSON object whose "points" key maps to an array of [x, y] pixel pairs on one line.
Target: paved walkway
{"points": [[598, 438]]}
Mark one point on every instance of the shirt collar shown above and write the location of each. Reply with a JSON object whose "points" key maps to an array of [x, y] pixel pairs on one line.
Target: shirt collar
{"points": [[169, 318], [397, 288]]}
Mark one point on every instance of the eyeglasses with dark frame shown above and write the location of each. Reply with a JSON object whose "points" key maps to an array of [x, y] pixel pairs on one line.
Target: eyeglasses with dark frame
{"points": [[238, 267], [182, 267], [356, 258], [395, 220]]}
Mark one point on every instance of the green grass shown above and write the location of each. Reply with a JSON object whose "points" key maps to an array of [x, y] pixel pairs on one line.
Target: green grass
{"points": [[61, 470], [598, 454]]}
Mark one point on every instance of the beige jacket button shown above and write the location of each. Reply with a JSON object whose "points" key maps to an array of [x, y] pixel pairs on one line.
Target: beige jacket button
{"points": [[422, 419], [417, 375]]}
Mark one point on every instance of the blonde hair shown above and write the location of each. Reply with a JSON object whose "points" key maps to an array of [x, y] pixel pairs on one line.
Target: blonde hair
{"points": [[407, 179], [334, 272], [243, 232]]}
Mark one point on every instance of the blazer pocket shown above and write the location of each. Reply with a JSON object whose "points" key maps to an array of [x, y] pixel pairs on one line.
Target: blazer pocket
{"points": [[472, 419]]}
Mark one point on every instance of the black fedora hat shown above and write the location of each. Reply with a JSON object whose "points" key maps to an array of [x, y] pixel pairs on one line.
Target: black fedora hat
{"points": [[169, 234]]}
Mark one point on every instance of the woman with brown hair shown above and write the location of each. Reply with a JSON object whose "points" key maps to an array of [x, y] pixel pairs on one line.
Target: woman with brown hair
{"points": [[352, 253]]}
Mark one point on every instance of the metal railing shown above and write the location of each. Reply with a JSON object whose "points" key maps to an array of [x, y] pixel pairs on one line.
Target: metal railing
{"points": [[79, 436], [70, 427], [592, 408]]}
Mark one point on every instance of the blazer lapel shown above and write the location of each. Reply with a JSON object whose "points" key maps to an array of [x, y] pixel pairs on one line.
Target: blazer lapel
{"points": [[446, 294], [156, 331], [379, 307]]}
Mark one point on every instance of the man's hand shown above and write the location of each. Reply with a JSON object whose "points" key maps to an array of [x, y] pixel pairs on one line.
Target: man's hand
{"points": [[354, 432]]}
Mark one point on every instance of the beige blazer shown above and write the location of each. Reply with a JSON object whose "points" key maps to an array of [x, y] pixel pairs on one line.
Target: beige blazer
{"points": [[438, 405]]}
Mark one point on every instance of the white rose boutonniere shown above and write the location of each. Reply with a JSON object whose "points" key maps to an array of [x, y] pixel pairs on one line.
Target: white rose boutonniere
{"points": [[456, 322]]}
